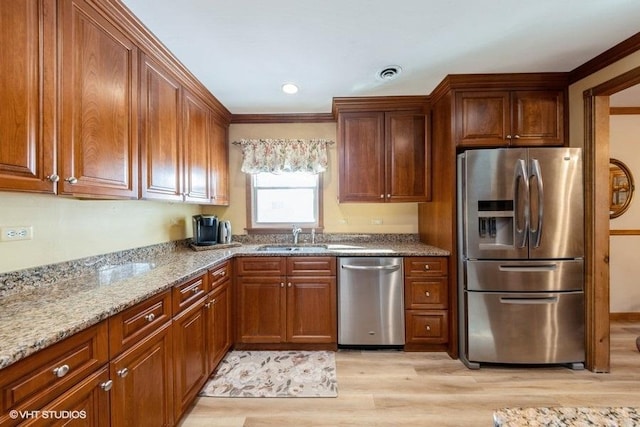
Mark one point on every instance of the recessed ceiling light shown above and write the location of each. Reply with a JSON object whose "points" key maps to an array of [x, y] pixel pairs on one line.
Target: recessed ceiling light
{"points": [[390, 72], [289, 88]]}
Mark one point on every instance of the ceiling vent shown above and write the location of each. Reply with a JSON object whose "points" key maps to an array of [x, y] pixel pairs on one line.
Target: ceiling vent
{"points": [[390, 72]]}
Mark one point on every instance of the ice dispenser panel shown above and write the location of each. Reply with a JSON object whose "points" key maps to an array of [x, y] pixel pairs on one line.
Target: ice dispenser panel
{"points": [[495, 223]]}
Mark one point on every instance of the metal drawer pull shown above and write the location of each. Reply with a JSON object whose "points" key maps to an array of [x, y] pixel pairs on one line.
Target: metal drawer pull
{"points": [[106, 386], [150, 317], [427, 267], [427, 293], [428, 328], [370, 267], [122, 372], [61, 371], [195, 290]]}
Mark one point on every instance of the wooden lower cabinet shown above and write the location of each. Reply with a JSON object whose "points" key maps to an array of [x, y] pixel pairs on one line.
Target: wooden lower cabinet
{"points": [[293, 305], [218, 318], [426, 290], [189, 355]]}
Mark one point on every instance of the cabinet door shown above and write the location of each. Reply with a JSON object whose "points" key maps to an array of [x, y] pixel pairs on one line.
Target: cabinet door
{"points": [[190, 356], [407, 166], [218, 325], [196, 149], [219, 164], [482, 119], [86, 404], [143, 383], [311, 310], [98, 138], [27, 95], [160, 147], [261, 309], [361, 157], [538, 118]]}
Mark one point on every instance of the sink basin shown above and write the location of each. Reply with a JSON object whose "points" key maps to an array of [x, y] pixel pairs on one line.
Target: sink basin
{"points": [[113, 273], [293, 248]]}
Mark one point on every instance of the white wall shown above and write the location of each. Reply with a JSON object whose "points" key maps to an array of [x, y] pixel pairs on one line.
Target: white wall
{"points": [[624, 264]]}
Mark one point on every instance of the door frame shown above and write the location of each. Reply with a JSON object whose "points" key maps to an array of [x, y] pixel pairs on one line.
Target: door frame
{"points": [[596, 150]]}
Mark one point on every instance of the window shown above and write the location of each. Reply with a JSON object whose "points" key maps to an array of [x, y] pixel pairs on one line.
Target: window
{"points": [[279, 201]]}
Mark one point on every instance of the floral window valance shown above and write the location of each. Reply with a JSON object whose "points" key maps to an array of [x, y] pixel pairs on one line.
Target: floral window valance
{"points": [[284, 155]]}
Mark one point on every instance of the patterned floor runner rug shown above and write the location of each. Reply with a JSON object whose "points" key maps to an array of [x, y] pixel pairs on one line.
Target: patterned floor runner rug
{"points": [[274, 374]]}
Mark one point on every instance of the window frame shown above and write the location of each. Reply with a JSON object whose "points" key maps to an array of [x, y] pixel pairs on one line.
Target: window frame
{"points": [[251, 227]]}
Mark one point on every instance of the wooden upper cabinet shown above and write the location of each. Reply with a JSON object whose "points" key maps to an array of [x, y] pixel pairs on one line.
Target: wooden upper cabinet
{"points": [[361, 157], [27, 95], [502, 118], [98, 133], [196, 117], [160, 145], [219, 162], [383, 150]]}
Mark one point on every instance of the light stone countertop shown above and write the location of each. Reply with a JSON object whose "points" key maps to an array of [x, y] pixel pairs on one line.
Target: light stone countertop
{"points": [[38, 317], [567, 417]]}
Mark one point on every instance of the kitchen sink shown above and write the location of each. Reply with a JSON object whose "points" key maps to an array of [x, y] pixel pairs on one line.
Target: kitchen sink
{"points": [[293, 248]]}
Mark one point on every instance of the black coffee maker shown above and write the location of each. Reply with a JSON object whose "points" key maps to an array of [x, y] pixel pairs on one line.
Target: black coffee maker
{"points": [[205, 230]]}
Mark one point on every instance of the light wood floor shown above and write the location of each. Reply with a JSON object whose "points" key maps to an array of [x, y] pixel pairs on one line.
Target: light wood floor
{"points": [[430, 389]]}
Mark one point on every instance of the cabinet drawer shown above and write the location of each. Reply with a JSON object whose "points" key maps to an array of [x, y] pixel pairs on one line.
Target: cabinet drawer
{"points": [[426, 293], [33, 382], [427, 327], [311, 265], [219, 274], [188, 293], [130, 326], [425, 266], [261, 266]]}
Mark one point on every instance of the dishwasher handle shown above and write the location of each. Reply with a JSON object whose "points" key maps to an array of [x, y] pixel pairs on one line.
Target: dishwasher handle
{"points": [[372, 267]]}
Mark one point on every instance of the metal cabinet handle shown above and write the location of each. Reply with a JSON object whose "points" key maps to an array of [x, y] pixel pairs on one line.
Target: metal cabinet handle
{"points": [[150, 317], [213, 301], [428, 328], [382, 196], [289, 284], [282, 285], [106, 386], [516, 136], [389, 196], [427, 293], [61, 371], [122, 372], [53, 177], [72, 180], [195, 290], [427, 267], [508, 136]]}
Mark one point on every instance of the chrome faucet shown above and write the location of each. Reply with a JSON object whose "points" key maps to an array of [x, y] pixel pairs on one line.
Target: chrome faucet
{"points": [[296, 231]]}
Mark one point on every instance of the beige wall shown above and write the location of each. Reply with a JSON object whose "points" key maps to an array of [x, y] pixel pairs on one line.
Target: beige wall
{"points": [[338, 217], [66, 229], [624, 134], [620, 289]]}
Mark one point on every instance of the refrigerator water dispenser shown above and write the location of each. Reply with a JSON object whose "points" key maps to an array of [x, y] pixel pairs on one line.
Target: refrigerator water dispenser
{"points": [[495, 223]]}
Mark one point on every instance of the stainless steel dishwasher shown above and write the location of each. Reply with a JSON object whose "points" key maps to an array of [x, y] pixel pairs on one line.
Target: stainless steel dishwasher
{"points": [[370, 301]]}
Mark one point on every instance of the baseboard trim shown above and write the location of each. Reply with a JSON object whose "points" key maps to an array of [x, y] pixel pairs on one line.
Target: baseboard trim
{"points": [[625, 317]]}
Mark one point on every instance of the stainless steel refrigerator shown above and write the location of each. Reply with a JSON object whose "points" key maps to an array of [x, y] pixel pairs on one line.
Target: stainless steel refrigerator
{"points": [[521, 256]]}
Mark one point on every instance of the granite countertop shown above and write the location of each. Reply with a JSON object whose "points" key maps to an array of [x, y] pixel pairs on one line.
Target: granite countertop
{"points": [[39, 316], [567, 417]]}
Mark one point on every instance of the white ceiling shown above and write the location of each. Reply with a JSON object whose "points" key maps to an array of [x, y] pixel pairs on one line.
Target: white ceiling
{"points": [[244, 50]]}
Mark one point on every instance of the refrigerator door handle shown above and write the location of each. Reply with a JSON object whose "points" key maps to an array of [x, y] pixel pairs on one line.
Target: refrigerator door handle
{"points": [[530, 300], [536, 175], [529, 268], [521, 204]]}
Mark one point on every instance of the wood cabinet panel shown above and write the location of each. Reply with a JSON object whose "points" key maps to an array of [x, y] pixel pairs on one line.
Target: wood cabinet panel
{"points": [[407, 163], [261, 309], [160, 146], [426, 293], [482, 118], [142, 376], [427, 327], [189, 293], [219, 274], [27, 94], [311, 309], [538, 117], [131, 325], [98, 138], [219, 312], [361, 157], [426, 266], [33, 382], [196, 149], [261, 266], [190, 356], [219, 163], [87, 398], [311, 266]]}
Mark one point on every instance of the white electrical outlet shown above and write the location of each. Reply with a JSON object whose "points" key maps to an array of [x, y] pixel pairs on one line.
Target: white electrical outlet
{"points": [[8, 234]]}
